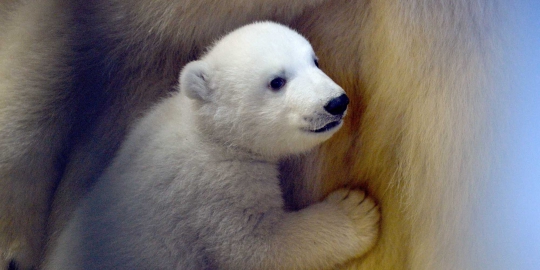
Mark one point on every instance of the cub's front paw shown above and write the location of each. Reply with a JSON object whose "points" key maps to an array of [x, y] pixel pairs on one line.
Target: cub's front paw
{"points": [[363, 212]]}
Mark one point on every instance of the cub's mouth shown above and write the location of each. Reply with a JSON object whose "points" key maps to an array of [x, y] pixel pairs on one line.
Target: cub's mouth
{"points": [[327, 127], [323, 124]]}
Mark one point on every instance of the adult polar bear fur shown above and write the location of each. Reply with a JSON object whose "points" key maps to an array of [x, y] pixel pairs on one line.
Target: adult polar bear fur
{"points": [[195, 185], [75, 74]]}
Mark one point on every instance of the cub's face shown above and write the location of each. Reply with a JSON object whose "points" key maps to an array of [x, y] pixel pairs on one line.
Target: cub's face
{"points": [[260, 89]]}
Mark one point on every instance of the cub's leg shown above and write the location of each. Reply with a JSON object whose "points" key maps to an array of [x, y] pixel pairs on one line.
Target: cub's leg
{"points": [[362, 210], [342, 227]]}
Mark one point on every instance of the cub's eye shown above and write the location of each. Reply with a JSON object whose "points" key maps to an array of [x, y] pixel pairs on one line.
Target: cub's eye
{"points": [[316, 62], [277, 83]]}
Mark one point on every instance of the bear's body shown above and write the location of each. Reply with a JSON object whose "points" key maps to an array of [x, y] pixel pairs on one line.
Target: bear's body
{"points": [[74, 76], [195, 185]]}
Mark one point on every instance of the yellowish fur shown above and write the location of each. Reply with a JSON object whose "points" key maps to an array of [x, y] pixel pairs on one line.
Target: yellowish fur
{"points": [[419, 75]]}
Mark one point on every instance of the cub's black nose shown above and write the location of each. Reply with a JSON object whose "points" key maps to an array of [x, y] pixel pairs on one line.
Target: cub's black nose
{"points": [[337, 105]]}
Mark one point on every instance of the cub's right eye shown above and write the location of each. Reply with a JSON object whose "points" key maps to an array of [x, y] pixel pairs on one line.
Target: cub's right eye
{"points": [[277, 83]]}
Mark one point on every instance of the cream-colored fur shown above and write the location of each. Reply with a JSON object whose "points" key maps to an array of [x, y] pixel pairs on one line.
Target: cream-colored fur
{"points": [[417, 72], [34, 122]]}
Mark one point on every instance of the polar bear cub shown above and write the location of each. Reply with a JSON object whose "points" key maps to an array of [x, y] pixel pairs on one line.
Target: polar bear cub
{"points": [[195, 185]]}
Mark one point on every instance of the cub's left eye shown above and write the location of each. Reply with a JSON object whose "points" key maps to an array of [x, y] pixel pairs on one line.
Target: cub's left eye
{"points": [[277, 83], [316, 62]]}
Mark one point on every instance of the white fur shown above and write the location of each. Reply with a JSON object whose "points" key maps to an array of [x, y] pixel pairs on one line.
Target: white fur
{"points": [[195, 185]]}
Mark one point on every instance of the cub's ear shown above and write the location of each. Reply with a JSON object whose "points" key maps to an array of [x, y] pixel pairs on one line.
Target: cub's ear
{"points": [[194, 81]]}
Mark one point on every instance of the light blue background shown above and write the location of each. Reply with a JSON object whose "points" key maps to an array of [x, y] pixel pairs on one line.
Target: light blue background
{"points": [[512, 222]]}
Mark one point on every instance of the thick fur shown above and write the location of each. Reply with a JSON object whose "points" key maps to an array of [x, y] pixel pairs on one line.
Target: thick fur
{"points": [[63, 70], [195, 185], [417, 72]]}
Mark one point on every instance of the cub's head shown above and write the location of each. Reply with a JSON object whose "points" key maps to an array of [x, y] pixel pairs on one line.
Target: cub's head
{"points": [[259, 88]]}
